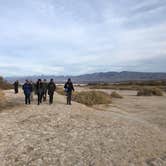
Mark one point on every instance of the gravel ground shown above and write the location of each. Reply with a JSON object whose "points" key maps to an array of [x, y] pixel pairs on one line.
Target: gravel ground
{"points": [[61, 135]]}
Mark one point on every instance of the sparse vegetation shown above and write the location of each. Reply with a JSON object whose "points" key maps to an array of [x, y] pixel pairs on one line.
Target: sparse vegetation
{"points": [[60, 91], [6, 104], [130, 85], [114, 94], [1, 96], [92, 97], [5, 85], [2, 99], [149, 92]]}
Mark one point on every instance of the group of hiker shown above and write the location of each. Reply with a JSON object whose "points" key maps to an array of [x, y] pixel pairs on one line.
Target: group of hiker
{"points": [[41, 88]]}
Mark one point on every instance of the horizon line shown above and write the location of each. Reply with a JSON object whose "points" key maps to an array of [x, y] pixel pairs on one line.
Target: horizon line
{"points": [[72, 75]]}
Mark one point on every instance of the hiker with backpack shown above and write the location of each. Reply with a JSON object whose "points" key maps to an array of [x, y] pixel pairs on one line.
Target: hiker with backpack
{"points": [[16, 84], [51, 89], [69, 88], [27, 88], [39, 91]]}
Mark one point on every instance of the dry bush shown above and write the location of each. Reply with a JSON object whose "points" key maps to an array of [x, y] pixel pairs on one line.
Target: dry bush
{"points": [[1, 96], [5, 104], [149, 92], [5, 85], [116, 95], [92, 97], [60, 91], [2, 99]]}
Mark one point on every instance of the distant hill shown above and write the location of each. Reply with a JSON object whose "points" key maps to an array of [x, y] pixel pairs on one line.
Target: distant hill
{"points": [[97, 77]]}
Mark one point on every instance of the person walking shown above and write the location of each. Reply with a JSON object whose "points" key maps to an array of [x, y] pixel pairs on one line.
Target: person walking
{"points": [[16, 84], [39, 91], [68, 89], [45, 86], [27, 88], [51, 89]]}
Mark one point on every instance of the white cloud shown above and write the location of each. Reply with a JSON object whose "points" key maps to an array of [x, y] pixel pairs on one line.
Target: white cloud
{"points": [[73, 37]]}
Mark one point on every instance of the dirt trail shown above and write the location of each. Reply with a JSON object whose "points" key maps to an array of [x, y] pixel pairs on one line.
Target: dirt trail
{"points": [[77, 136]]}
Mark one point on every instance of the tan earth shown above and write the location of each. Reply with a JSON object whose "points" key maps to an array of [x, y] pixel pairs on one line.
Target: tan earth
{"points": [[129, 132]]}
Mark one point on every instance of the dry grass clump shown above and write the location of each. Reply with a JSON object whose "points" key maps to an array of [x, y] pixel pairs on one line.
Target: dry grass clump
{"points": [[149, 92], [60, 91], [5, 85], [5, 104], [2, 99], [2, 96], [116, 95], [90, 98]]}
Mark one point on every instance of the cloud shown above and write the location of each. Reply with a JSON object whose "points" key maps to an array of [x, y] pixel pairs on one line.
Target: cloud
{"points": [[76, 37]]}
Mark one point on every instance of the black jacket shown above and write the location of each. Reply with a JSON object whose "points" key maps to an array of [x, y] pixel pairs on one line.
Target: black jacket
{"points": [[39, 87], [51, 87], [16, 84], [69, 87]]}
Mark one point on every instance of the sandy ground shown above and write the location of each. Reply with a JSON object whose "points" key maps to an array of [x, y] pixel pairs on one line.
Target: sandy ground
{"points": [[128, 132]]}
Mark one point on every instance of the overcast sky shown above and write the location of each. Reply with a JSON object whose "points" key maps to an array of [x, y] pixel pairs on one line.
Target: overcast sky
{"points": [[81, 36]]}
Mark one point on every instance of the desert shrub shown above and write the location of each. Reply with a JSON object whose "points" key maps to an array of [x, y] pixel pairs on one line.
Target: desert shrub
{"points": [[149, 92], [91, 97], [1, 96], [4, 84], [60, 91], [2, 99], [116, 95], [5, 104]]}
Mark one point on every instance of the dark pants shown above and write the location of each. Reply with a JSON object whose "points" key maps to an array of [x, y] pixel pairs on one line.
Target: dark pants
{"points": [[69, 94], [16, 90], [51, 97], [39, 96], [27, 99]]}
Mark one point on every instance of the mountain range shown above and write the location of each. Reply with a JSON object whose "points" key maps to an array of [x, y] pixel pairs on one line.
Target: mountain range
{"points": [[105, 77]]}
